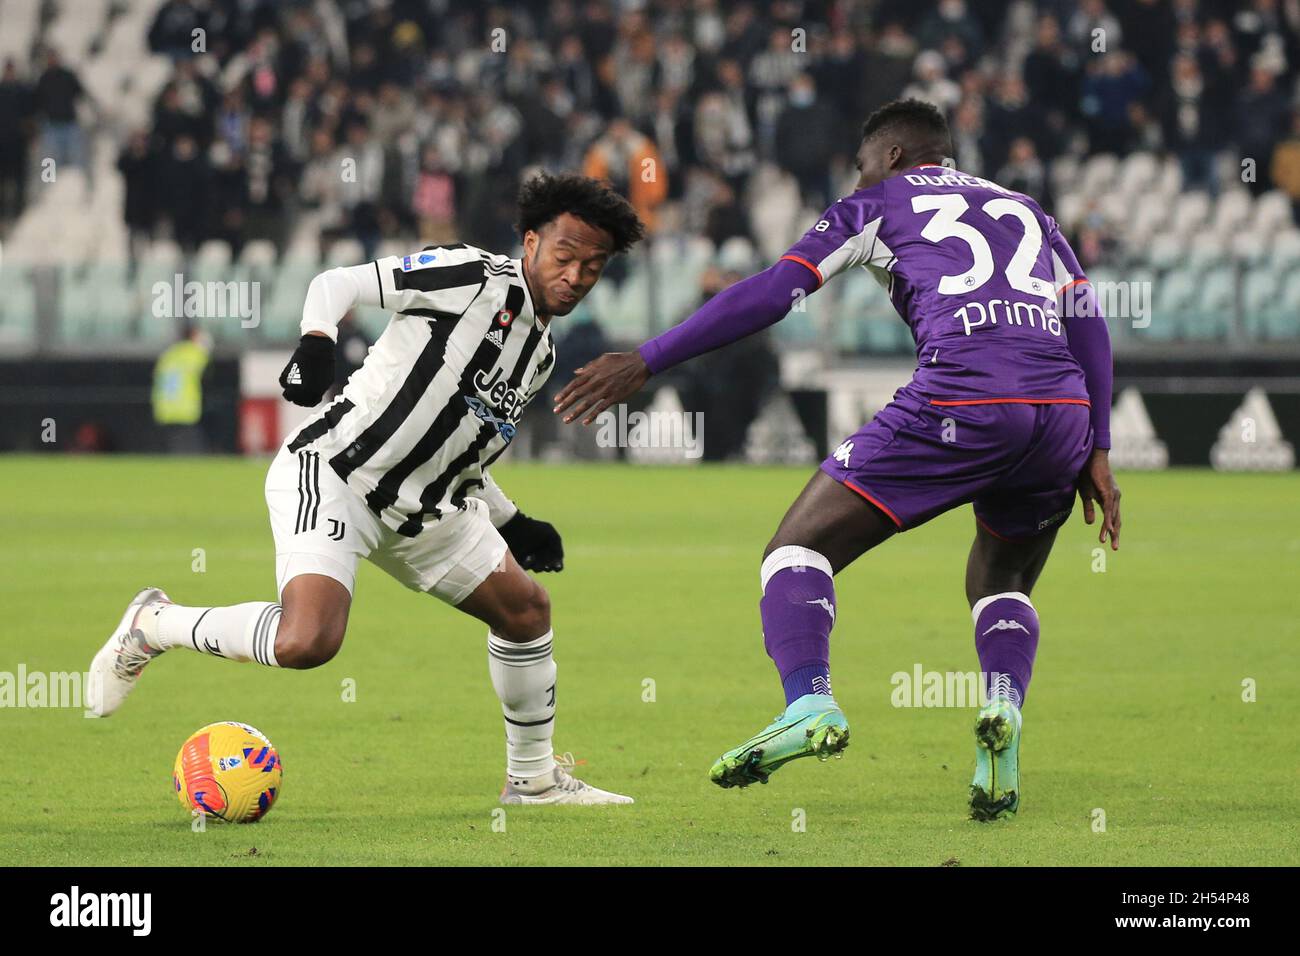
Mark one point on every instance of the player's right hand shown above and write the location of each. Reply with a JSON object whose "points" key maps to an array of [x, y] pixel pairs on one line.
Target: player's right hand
{"points": [[600, 383], [310, 372], [1096, 483]]}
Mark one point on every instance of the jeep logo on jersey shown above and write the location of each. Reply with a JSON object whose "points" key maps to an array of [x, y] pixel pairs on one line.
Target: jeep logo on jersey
{"points": [[504, 398]]}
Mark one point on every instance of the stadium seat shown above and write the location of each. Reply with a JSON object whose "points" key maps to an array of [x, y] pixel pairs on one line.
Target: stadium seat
{"points": [[1249, 248], [1211, 315], [1273, 213], [1231, 210], [1191, 211], [213, 255], [1286, 250], [1260, 289], [1070, 207], [1282, 321], [1166, 251], [1174, 294], [344, 252], [1099, 174], [1138, 172], [259, 254], [1151, 213], [1169, 182], [17, 308], [1207, 250], [1064, 173]]}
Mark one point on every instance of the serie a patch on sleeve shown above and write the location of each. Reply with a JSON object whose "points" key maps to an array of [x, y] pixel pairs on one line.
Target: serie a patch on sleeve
{"points": [[417, 261]]}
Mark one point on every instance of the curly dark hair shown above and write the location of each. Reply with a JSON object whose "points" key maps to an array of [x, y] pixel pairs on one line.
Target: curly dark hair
{"points": [[922, 120], [546, 196]]}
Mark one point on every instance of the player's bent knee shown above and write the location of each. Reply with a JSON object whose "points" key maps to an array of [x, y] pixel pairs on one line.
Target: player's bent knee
{"points": [[305, 646], [528, 618]]}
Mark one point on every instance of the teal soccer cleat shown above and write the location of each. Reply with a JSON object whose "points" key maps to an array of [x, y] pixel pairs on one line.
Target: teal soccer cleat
{"points": [[995, 791], [812, 726]]}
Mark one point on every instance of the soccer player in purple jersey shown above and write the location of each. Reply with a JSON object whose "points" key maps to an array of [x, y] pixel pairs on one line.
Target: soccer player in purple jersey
{"points": [[1008, 409]]}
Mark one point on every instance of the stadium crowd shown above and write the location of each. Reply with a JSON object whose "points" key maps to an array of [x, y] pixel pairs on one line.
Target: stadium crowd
{"points": [[377, 119]]}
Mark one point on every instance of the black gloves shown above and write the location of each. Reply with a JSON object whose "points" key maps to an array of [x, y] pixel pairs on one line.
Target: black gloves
{"points": [[310, 372], [535, 544]]}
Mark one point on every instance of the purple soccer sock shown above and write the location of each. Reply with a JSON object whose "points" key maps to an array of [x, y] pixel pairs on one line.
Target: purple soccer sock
{"points": [[1006, 639], [798, 610]]}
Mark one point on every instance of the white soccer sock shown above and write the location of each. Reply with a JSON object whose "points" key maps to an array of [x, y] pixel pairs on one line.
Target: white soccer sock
{"points": [[524, 678], [241, 632]]}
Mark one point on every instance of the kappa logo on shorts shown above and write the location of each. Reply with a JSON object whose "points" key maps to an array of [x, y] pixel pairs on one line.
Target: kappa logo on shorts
{"points": [[843, 452]]}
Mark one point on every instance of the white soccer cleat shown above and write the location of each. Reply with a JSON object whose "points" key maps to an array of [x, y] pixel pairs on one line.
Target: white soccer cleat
{"points": [[118, 664], [559, 786]]}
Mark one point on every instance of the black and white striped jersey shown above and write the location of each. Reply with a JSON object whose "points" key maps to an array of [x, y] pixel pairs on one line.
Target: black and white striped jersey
{"points": [[440, 394]]}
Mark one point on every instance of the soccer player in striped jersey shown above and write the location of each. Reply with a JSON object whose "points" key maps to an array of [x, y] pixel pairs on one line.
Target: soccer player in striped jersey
{"points": [[396, 469], [1008, 409]]}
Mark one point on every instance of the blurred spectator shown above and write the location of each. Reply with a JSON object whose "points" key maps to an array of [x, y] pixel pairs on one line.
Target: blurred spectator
{"points": [[172, 32], [1010, 115], [1093, 27], [434, 201], [888, 67], [1051, 74], [968, 137], [15, 132], [183, 182], [808, 135], [352, 346], [138, 165], [1261, 115], [1113, 82], [629, 161], [729, 385], [952, 21], [1190, 127], [58, 91], [178, 392], [1024, 172], [1284, 170], [931, 83]]}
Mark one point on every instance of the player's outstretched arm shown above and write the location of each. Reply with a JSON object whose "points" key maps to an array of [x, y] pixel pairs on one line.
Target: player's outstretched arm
{"points": [[747, 307]]}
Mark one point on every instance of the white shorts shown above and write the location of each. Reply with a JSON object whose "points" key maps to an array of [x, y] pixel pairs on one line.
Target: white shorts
{"points": [[321, 526]]}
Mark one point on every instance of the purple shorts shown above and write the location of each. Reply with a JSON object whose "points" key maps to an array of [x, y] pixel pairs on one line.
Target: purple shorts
{"points": [[1016, 461]]}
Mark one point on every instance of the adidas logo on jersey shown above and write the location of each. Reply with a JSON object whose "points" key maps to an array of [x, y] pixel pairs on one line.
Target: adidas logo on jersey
{"points": [[496, 338], [295, 375]]}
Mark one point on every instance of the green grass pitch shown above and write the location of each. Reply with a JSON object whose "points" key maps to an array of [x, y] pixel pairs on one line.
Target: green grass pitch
{"points": [[1136, 710]]}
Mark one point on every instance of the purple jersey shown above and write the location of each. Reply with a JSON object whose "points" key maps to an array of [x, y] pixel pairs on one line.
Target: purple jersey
{"points": [[974, 270]]}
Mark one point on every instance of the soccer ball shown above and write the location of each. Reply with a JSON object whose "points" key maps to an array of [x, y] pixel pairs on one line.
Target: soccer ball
{"points": [[228, 771]]}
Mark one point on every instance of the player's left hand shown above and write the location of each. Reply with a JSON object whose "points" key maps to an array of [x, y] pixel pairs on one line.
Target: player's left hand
{"points": [[1097, 483], [599, 384], [535, 544]]}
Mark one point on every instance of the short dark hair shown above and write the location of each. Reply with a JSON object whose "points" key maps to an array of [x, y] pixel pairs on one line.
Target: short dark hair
{"points": [[546, 196], [920, 119]]}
